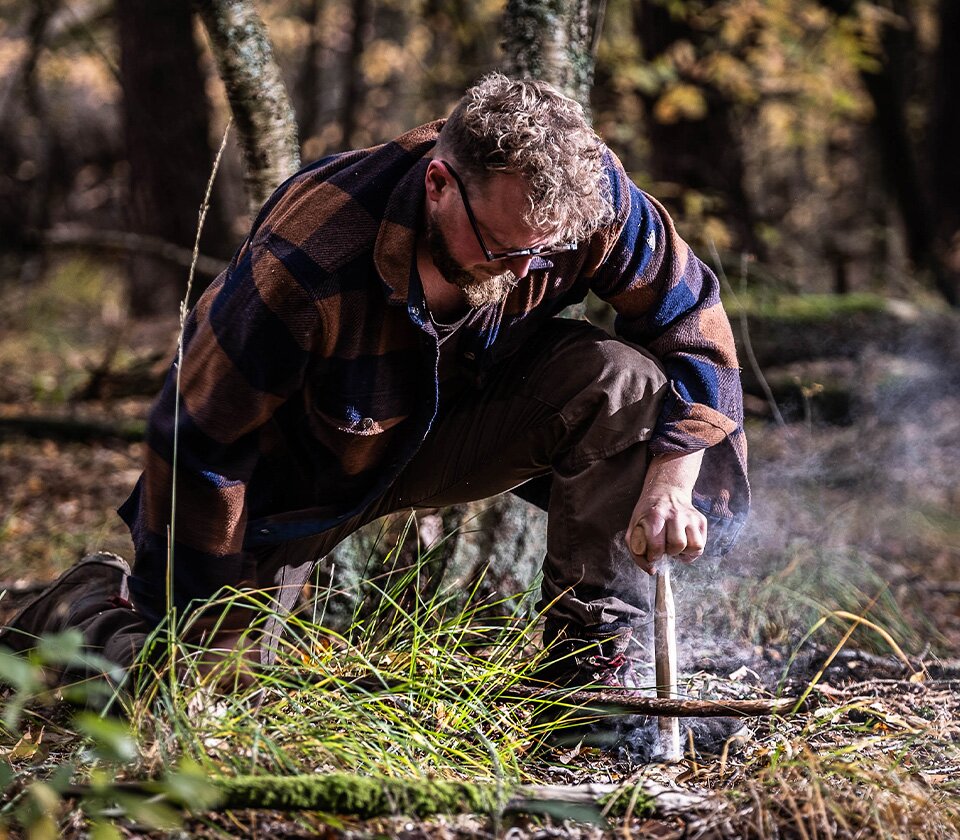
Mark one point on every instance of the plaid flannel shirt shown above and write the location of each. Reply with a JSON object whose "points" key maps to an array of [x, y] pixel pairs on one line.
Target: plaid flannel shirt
{"points": [[309, 375]]}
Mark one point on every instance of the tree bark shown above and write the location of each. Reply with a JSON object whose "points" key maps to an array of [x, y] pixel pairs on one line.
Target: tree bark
{"points": [[168, 149], [945, 160], [261, 108], [354, 85], [928, 206], [554, 40], [309, 79]]}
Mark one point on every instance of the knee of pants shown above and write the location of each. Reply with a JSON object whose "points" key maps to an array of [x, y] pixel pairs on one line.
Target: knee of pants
{"points": [[616, 394]]}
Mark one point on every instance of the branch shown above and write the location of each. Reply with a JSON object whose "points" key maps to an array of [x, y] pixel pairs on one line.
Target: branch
{"points": [[73, 236], [624, 701]]}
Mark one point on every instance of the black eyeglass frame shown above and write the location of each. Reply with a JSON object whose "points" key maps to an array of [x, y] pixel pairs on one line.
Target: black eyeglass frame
{"points": [[494, 256]]}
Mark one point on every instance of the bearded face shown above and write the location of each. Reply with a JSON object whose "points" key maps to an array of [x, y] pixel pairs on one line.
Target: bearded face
{"points": [[479, 288]]}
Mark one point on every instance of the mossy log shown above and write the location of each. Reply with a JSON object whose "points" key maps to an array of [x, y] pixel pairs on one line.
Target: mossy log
{"points": [[806, 327], [368, 797], [360, 796]]}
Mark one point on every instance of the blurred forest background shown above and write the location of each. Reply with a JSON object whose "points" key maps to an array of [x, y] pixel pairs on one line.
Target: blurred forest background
{"points": [[818, 137], [807, 149]]}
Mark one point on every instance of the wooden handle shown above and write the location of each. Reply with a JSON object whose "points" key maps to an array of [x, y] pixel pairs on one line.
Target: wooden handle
{"points": [[665, 658]]}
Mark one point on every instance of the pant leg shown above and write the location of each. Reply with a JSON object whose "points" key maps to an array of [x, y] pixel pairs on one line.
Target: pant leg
{"points": [[579, 405]]}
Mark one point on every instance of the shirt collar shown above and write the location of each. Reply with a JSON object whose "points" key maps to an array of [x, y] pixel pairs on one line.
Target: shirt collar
{"points": [[397, 238]]}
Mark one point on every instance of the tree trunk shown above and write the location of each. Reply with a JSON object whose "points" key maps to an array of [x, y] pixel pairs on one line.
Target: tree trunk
{"points": [[554, 40], [945, 160], [309, 80], [354, 85], [504, 540], [264, 117], [929, 235], [168, 149]]}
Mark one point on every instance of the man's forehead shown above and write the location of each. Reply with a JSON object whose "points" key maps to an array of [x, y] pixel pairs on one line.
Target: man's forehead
{"points": [[501, 207]]}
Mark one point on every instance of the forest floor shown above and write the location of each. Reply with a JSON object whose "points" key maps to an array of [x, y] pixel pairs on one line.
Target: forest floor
{"points": [[855, 520]]}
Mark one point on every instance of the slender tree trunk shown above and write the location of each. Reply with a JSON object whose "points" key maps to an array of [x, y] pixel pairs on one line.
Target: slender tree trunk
{"points": [[39, 199], [29, 151], [354, 85], [945, 152], [168, 149], [554, 40], [309, 81], [264, 117]]}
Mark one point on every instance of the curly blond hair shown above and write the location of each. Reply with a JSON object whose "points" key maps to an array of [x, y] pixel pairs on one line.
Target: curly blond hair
{"points": [[527, 127]]}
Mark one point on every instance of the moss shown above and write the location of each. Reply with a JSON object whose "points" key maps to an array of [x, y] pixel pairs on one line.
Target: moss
{"points": [[807, 308], [619, 802], [341, 793]]}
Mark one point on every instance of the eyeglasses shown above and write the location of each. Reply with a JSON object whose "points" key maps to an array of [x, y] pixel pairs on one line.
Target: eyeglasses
{"points": [[493, 256]]}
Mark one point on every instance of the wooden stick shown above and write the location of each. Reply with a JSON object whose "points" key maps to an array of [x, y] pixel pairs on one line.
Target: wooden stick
{"points": [[628, 702], [665, 657]]}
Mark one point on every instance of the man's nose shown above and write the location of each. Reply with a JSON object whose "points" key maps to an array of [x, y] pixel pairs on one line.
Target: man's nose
{"points": [[519, 266]]}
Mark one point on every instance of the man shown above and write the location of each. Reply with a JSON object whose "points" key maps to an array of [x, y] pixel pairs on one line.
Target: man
{"points": [[387, 338]]}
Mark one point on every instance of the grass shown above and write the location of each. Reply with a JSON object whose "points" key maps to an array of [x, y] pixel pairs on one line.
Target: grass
{"points": [[322, 706], [56, 332], [876, 759], [866, 763]]}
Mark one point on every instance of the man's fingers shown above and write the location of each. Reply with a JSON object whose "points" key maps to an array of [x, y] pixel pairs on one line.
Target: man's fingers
{"points": [[695, 536], [675, 543], [643, 543]]}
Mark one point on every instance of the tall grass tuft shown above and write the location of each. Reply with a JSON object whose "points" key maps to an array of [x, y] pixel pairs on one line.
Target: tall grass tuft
{"points": [[409, 689]]}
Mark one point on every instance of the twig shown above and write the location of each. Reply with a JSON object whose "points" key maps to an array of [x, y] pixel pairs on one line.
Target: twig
{"points": [[745, 337], [609, 701], [174, 463]]}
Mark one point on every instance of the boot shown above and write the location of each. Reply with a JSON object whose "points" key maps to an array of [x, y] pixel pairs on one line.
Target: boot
{"points": [[97, 583]]}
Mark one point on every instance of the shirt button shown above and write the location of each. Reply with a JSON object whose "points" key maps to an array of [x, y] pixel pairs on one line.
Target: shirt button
{"points": [[469, 356], [367, 423]]}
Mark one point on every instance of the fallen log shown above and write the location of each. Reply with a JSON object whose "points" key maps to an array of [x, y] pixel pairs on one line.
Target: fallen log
{"points": [[368, 797], [49, 427]]}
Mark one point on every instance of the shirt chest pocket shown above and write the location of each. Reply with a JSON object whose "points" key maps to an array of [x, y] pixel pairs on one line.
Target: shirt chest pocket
{"points": [[354, 413]]}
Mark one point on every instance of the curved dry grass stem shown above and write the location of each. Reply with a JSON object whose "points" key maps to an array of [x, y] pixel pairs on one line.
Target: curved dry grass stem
{"points": [[171, 531]]}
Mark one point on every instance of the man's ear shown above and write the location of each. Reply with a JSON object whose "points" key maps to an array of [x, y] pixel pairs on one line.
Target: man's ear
{"points": [[436, 180]]}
